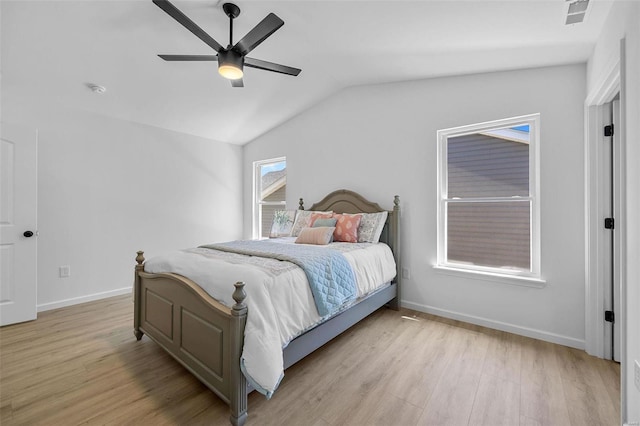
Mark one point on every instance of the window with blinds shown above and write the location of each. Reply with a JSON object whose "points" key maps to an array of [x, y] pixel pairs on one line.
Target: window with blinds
{"points": [[270, 193], [488, 203]]}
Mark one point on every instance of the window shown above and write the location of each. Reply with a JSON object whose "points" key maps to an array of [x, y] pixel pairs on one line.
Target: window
{"points": [[270, 193], [488, 216]]}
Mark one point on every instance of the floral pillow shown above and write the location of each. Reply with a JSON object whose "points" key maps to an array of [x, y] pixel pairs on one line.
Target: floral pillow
{"points": [[282, 223], [371, 226], [303, 218], [346, 228]]}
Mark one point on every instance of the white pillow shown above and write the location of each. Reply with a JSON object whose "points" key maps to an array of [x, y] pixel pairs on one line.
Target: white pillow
{"points": [[282, 223]]}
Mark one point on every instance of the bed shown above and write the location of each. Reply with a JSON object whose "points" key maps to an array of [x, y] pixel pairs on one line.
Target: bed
{"points": [[207, 337]]}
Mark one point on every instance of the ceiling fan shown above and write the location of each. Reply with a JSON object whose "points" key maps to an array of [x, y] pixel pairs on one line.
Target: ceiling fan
{"points": [[231, 59]]}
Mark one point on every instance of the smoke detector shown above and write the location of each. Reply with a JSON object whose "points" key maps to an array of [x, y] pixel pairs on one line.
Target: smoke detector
{"points": [[96, 88], [576, 11]]}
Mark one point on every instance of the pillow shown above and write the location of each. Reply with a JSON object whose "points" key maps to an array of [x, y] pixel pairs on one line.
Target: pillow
{"points": [[346, 228], [319, 236], [371, 226], [302, 220], [319, 215], [324, 222], [282, 223]]}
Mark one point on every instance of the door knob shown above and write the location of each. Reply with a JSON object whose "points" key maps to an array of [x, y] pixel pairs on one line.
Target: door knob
{"points": [[28, 234]]}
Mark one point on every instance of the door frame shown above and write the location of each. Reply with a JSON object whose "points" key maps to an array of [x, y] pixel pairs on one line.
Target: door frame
{"points": [[595, 202], [595, 295], [605, 91]]}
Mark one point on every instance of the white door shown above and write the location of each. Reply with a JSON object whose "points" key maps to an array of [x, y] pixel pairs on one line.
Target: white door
{"points": [[18, 218], [611, 246], [616, 211], [607, 234]]}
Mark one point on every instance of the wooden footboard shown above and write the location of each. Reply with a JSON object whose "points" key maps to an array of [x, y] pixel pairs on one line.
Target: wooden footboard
{"points": [[205, 336]]}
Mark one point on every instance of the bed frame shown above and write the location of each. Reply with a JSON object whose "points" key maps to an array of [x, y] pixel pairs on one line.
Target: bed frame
{"points": [[207, 337]]}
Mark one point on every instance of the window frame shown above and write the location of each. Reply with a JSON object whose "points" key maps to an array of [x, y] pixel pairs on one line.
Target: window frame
{"points": [[257, 202], [532, 277]]}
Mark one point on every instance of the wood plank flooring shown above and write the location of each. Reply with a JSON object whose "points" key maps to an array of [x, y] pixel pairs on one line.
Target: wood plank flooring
{"points": [[82, 365]]}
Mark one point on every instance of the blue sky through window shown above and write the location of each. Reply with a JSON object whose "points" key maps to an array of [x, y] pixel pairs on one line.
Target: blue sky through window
{"points": [[274, 167]]}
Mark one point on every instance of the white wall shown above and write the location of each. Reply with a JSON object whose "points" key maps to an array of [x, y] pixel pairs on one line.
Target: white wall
{"points": [[381, 140], [624, 22], [107, 188]]}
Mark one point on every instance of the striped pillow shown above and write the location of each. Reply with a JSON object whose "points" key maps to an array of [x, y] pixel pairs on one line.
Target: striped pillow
{"points": [[319, 236]]}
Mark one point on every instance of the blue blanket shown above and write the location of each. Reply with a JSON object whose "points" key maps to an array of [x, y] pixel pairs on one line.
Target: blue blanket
{"points": [[330, 275]]}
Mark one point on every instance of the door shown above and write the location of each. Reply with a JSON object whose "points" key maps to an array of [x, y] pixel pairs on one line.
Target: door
{"points": [[18, 224], [616, 198], [611, 244]]}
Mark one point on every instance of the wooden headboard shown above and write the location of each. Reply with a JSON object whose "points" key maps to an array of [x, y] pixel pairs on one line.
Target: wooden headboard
{"points": [[345, 201]]}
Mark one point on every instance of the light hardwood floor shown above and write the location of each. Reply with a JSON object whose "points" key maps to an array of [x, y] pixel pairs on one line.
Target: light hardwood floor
{"points": [[82, 365]]}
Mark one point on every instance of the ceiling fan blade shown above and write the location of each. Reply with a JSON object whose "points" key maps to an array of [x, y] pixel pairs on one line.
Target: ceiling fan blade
{"points": [[176, 14], [270, 66], [237, 83], [189, 57], [258, 34]]}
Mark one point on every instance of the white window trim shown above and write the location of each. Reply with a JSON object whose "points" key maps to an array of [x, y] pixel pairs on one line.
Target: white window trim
{"points": [[532, 278], [256, 213]]}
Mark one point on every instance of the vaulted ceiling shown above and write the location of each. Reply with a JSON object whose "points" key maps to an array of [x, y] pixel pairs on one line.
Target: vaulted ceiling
{"points": [[52, 49]]}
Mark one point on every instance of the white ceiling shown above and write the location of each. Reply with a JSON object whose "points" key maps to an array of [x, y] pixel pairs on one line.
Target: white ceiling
{"points": [[52, 49]]}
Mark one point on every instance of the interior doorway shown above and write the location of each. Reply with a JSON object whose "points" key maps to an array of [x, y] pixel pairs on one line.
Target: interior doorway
{"points": [[604, 199]]}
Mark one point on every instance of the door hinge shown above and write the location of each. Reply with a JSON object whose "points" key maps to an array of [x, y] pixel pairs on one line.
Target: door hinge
{"points": [[609, 316], [608, 130], [609, 223]]}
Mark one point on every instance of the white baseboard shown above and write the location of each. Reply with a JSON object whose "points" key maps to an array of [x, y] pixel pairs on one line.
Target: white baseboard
{"points": [[83, 299], [498, 325]]}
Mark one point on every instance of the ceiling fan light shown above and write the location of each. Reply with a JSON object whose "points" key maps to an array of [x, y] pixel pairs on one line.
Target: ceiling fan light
{"points": [[230, 65], [230, 71]]}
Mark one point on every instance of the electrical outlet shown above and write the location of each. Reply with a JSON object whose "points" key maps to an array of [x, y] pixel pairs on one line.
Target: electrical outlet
{"points": [[637, 374], [65, 271], [406, 274]]}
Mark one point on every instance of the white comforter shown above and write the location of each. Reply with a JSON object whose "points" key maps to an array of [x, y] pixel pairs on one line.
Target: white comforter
{"points": [[279, 300]]}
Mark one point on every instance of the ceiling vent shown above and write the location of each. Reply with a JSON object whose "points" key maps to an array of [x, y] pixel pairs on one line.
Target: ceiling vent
{"points": [[576, 11]]}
